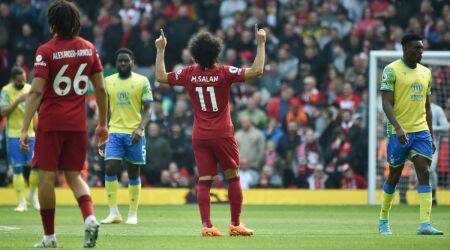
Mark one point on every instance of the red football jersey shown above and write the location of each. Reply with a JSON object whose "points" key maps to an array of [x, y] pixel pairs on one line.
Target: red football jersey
{"points": [[66, 65], [210, 94]]}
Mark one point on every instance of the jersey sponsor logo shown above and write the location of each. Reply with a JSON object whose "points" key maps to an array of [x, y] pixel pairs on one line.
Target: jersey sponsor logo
{"points": [[201, 79], [39, 62], [234, 70], [72, 53]]}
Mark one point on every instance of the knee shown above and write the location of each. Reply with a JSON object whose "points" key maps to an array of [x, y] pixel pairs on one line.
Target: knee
{"points": [[111, 170], [47, 179], [72, 178], [17, 170], [423, 176]]}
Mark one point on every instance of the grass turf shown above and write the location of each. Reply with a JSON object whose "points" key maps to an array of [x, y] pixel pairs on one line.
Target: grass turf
{"points": [[277, 227]]}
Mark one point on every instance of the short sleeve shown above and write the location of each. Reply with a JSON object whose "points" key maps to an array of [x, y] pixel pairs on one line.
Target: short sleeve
{"points": [[234, 74], [430, 83], [41, 63], [4, 101], [178, 78], [97, 65], [147, 95], [388, 79]]}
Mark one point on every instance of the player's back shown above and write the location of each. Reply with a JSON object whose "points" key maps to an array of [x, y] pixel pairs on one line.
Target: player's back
{"points": [[66, 66], [209, 91]]}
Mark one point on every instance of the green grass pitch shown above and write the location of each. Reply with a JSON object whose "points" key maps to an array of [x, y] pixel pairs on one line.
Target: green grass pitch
{"points": [[277, 227]]}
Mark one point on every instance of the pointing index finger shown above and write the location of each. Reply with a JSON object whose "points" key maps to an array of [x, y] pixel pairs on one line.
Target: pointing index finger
{"points": [[162, 32]]}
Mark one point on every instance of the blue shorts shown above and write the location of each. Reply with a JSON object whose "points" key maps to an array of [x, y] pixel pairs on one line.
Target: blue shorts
{"points": [[119, 147], [16, 157], [419, 143]]}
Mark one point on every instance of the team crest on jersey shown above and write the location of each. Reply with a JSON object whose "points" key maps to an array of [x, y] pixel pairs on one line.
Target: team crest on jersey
{"points": [[177, 74], [123, 99], [416, 87]]}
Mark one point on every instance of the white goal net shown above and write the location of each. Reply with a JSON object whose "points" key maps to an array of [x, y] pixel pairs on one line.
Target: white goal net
{"points": [[439, 63]]}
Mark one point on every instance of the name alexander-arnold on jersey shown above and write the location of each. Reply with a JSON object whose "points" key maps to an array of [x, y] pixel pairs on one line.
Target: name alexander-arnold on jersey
{"points": [[204, 78], [72, 53]]}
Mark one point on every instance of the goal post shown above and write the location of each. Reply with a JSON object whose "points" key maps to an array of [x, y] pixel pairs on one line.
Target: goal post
{"points": [[377, 61]]}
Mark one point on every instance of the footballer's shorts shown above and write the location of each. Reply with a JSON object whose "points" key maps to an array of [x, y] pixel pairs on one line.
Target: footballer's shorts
{"points": [[60, 150], [119, 146], [16, 157], [419, 143], [210, 152]]}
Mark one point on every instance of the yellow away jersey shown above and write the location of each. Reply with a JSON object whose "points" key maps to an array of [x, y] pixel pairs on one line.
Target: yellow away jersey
{"points": [[14, 121], [126, 97], [410, 87]]}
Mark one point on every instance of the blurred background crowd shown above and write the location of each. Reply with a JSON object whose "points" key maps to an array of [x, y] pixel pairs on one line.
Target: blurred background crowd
{"points": [[303, 124]]}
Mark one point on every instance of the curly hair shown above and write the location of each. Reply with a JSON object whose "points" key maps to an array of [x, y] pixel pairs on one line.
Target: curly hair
{"points": [[205, 49], [64, 19]]}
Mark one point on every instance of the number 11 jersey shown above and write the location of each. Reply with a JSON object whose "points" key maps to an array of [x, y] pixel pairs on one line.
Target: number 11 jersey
{"points": [[209, 91], [66, 66]]}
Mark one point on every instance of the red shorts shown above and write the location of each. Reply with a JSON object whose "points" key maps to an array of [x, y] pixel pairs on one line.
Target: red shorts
{"points": [[60, 150], [210, 152]]}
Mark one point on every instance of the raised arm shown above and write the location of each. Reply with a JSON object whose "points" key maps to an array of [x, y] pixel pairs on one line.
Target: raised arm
{"points": [[160, 67], [32, 104], [257, 68]]}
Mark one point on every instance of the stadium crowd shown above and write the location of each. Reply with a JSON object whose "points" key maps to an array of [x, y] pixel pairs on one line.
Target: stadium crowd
{"points": [[303, 124]]}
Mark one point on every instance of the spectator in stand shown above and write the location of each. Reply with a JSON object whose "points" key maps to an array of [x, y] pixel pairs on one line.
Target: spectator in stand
{"points": [[251, 142], [158, 155], [287, 64], [26, 44], [350, 180], [257, 116], [279, 106], [307, 158], [227, 10], [348, 100], [128, 13], [310, 96], [144, 49]]}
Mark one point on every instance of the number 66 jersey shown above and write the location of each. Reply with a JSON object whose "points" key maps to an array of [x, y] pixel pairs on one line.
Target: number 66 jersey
{"points": [[209, 91], [66, 66]]}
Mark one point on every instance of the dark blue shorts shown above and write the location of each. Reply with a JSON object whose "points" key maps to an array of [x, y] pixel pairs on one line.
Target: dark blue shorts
{"points": [[419, 143]]}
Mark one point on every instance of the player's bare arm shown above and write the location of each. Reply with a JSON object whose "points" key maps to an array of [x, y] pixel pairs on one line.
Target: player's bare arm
{"points": [[5, 111], [388, 108], [429, 119], [32, 104], [257, 68], [160, 67], [137, 134], [101, 131]]}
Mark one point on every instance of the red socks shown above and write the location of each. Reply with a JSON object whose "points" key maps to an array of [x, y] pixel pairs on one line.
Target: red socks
{"points": [[204, 202], [48, 220], [235, 197], [85, 204]]}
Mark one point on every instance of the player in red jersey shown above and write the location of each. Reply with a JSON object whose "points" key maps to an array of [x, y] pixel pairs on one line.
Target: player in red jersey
{"points": [[213, 138], [62, 69]]}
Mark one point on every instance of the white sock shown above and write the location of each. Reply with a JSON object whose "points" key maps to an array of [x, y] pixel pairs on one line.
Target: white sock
{"points": [[90, 220], [114, 210], [50, 237], [132, 214], [23, 202]]}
